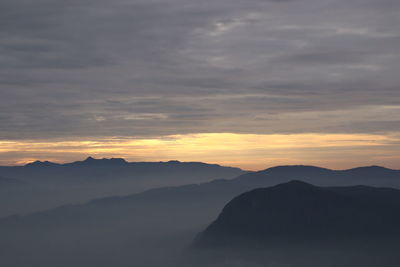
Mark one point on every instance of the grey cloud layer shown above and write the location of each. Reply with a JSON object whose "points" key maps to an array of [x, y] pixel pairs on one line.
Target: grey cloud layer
{"points": [[139, 68]]}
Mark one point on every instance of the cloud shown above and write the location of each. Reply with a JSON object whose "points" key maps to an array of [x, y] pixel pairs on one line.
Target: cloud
{"points": [[151, 68], [249, 151]]}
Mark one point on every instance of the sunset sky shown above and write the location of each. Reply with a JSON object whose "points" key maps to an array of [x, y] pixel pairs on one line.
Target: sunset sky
{"points": [[247, 83]]}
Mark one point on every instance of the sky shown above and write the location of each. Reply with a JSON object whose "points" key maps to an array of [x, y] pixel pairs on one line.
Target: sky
{"points": [[247, 83]]}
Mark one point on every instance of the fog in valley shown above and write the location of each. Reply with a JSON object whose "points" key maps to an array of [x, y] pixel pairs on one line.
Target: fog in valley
{"points": [[188, 133], [42, 185], [160, 227]]}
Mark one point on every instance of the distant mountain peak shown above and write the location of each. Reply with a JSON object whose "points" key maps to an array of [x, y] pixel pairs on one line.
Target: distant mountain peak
{"points": [[39, 163], [174, 161], [296, 167], [295, 183], [372, 167], [91, 160]]}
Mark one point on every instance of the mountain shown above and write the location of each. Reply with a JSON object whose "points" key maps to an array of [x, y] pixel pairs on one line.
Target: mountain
{"points": [[134, 228], [296, 216], [41, 164], [370, 175], [93, 170], [48, 185], [297, 210]]}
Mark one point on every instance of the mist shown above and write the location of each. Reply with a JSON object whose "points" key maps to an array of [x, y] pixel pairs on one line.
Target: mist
{"points": [[159, 227]]}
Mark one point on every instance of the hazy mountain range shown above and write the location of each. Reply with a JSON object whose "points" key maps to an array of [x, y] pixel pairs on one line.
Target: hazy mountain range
{"points": [[93, 170], [131, 230], [44, 185]]}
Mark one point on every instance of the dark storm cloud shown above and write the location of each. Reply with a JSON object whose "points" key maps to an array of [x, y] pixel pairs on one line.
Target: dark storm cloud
{"points": [[138, 68]]}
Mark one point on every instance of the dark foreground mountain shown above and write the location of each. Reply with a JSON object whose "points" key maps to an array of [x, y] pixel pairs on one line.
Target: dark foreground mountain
{"points": [[304, 225], [48, 185], [150, 228]]}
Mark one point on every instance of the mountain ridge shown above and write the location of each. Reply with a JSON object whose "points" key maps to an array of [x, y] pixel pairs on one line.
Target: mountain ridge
{"points": [[47, 185], [237, 185], [177, 212], [303, 225], [91, 159], [298, 209]]}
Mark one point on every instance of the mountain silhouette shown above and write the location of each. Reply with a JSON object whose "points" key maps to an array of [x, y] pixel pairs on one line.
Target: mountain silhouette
{"points": [[98, 170], [297, 210], [90, 161], [370, 175], [170, 216], [48, 185], [298, 224], [41, 164]]}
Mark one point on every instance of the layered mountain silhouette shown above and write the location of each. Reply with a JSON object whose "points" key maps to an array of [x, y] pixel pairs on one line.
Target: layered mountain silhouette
{"points": [[104, 170], [48, 185], [298, 224], [370, 175], [161, 221], [296, 211]]}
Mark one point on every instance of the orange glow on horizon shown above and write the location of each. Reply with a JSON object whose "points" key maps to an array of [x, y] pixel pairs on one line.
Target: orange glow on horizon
{"points": [[248, 151]]}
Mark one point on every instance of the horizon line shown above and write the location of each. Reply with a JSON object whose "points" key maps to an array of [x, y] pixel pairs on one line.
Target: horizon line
{"points": [[180, 161]]}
